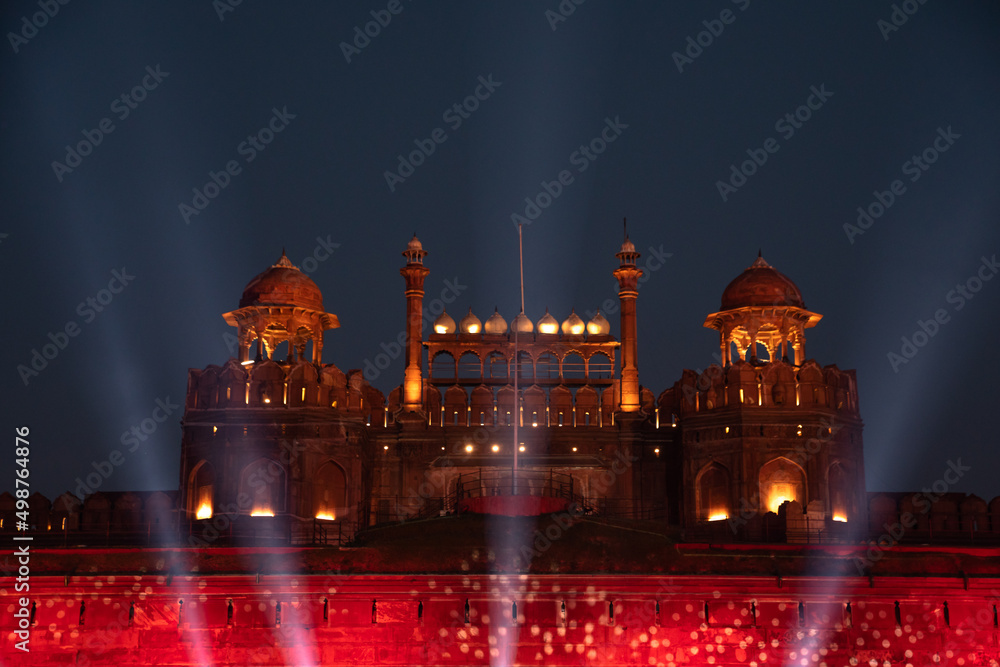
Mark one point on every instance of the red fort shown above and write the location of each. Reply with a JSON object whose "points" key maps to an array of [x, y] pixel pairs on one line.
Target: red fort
{"points": [[719, 520]]}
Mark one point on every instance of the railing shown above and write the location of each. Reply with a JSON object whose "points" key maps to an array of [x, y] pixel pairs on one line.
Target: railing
{"points": [[509, 482]]}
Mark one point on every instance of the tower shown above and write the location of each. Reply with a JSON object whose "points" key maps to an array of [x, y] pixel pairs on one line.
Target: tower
{"points": [[414, 273], [628, 290]]}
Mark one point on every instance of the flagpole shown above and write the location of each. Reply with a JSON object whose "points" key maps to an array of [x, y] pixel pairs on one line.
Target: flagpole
{"points": [[517, 365]]}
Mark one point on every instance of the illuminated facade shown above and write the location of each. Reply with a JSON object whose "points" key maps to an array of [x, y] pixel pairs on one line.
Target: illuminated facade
{"points": [[723, 521]]}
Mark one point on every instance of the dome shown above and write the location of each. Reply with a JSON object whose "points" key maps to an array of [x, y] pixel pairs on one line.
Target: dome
{"points": [[414, 244], [470, 324], [548, 324], [444, 324], [627, 246], [522, 324], [573, 326], [761, 285], [282, 285], [495, 325], [599, 325]]}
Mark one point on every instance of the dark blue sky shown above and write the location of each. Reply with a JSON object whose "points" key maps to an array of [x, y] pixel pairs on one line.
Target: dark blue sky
{"points": [[886, 96]]}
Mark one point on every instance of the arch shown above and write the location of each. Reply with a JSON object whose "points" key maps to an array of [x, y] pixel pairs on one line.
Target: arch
{"points": [[587, 407], [561, 406], [443, 365], [495, 366], [574, 367], [201, 491], [267, 385], [127, 512], [455, 407], [547, 366], [482, 406], [838, 485], [600, 366], [524, 366], [470, 366], [330, 492], [263, 481], [712, 487], [534, 406], [432, 403], [781, 479], [505, 406]]}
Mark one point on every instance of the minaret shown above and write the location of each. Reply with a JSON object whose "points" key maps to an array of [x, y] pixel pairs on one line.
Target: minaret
{"points": [[628, 289], [414, 272]]}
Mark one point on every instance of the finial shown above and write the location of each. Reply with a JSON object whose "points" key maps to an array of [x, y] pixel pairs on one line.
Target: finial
{"points": [[758, 253], [625, 226]]}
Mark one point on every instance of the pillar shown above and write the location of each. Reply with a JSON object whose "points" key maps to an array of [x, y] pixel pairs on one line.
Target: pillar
{"points": [[628, 290], [414, 273]]}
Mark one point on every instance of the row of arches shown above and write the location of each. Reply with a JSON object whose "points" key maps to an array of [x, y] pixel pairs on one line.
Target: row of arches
{"points": [[269, 384], [776, 384], [263, 488], [779, 480], [546, 365], [124, 511], [538, 406]]}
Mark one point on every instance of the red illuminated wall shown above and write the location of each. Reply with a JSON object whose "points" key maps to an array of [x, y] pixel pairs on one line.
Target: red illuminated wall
{"points": [[753, 619]]}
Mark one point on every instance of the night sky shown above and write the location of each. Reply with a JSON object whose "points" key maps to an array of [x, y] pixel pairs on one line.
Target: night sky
{"points": [[93, 185]]}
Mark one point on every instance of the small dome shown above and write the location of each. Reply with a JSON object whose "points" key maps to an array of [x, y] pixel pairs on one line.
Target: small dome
{"points": [[522, 324], [495, 325], [470, 324], [444, 324], [598, 325], [627, 246], [282, 285], [761, 285], [573, 326], [548, 324], [414, 244]]}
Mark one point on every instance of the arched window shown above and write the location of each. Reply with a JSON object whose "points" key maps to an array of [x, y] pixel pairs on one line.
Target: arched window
{"points": [[263, 481], [470, 366], [443, 365], [496, 366], [839, 491], [781, 480], [525, 368], [200, 491], [713, 487], [573, 367], [330, 492], [547, 366], [600, 366]]}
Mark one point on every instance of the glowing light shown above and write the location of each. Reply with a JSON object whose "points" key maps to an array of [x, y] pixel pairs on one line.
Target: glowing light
{"points": [[574, 449], [204, 511], [718, 516], [495, 448], [593, 328], [262, 512], [657, 451], [548, 328], [325, 516], [468, 449], [267, 400], [727, 429], [840, 517], [385, 447], [521, 448], [215, 429], [440, 328], [473, 328], [247, 363]]}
